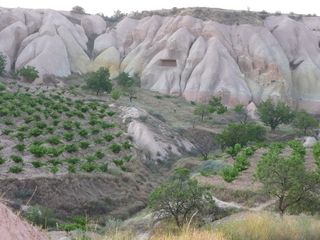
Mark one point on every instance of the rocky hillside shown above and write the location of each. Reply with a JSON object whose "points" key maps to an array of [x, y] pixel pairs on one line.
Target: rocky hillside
{"points": [[177, 55]]}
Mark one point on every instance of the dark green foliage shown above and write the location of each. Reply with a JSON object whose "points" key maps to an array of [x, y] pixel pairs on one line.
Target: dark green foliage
{"points": [[118, 162], [118, 134], [53, 169], [229, 174], [127, 157], [3, 63], [143, 118], [94, 130], [104, 167], [105, 125], [304, 121], [20, 147], [20, 136], [127, 145], [67, 125], [16, 159], [2, 160], [90, 158], [54, 140], [28, 119], [111, 113], [98, 140], [72, 160], [79, 223], [84, 144], [83, 132], [40, 125], [38, 151], [108, 137], [55, 122], [115, 148], [123, 168], [99, 154], [8, 122], [233, 151], [71, 168], [29, 73], [15, 169], [37, 142], [273, 114], [50, 130], [55, 162], [37, 164], [54, 152], [6, 131], [99, 81], [77, 124], [68, 136], [35, 132], [37, 118], [180, 198], [287, 179], [241, 133], [23, 128], [71, 148], [89, 167]]}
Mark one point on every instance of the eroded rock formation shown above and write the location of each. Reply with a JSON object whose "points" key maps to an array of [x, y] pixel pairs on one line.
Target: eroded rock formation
{"points": [[174, 55]]}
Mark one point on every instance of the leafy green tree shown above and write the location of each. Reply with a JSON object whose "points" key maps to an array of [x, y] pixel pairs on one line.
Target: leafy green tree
{"points": [[304, 121], [201, 110], [3, 63], [241, 133], [272, 114], [180, 198], [29, 73], [99, 81], [78, 9], [115, 94], [287, 179], [214, 105], [128, 85]]}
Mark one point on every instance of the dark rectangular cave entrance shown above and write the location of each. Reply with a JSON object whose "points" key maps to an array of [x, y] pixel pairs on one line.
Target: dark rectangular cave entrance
{"points": [[167, 63]]}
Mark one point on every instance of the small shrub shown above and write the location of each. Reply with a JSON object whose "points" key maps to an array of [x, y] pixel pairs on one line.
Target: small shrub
{"points": [[54, 162], [71, 169], [127, 157], [55, 122], [115, 148], [50, 130], [84, 145], [2, 160], [94, 130], [89, 167], [72, 160], [83, 132], [118, 134], [111, 113], [104, 167], [143, 118], [108, 137], [158, 96], [98, 140], [127, 145], [71, 148], [38, 151], [115, 94], [16, 159], [37, 164], [35, 132], [90, 158], [7, 131], [37, 118], [37, 142], [67, 125], [2, 87], [99, 154], [53, 169], [40, 125], [15, 169], [8, 122], [20, 136], [118, 162], [20, 147], [23, 128], [22, 193], [68, 136], [54, 152]]}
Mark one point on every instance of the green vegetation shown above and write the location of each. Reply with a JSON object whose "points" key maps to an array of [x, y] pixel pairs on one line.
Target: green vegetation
{"points": [[99, 81], [273, 114], [186, 195], [3, 63], [29, 73], [304, 121]]}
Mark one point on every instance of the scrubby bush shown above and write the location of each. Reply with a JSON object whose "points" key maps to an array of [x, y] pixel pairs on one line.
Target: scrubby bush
{"points": [[108, 137], [29, 73], [99, 154], [71, 148], [83, 132], [84, 144], [38, 151], [15, 169], [16, 159], [20, 147], [89, 167], [37, 164], [115, 148], [3, 63], [68, 136]]}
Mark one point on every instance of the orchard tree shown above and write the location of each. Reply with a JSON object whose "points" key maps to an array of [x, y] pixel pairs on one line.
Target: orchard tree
{"points": [[128, 85], [273, 114], [287, 179], [201, 110], [180, 198], [214, 105], [304, 121], [3, 63], [99, 81], [29, 73], [241, 133]]}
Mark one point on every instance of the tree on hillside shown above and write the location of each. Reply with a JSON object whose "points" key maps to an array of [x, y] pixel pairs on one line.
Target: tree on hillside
{"points": [[241, 111], [128, 85], [3, 63], [29, 73], [78, 9], [273, 114], [304, 121], [180, 198], [204, 141], [99, 81], [214, 105], [241, 133], [288, 180]]}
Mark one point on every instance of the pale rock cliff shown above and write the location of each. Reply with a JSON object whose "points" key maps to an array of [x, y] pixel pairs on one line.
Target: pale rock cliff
{"points": [[181, 56]]}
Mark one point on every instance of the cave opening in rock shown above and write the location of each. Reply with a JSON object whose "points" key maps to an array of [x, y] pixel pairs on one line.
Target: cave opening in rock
{"points": [[167, 63]]}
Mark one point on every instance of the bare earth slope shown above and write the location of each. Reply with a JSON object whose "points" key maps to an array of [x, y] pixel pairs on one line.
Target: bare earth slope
{"points": [[177, 55]]}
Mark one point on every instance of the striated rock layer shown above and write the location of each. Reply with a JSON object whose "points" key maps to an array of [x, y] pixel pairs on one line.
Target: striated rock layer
{"points": [[174, 55]]}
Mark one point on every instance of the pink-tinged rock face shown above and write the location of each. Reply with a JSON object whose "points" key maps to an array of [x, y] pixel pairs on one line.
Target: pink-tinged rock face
{"points": [[174, 55], [12, 227]]}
